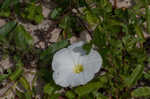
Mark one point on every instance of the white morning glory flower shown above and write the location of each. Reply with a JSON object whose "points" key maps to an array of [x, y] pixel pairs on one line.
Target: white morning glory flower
{"points": [[72, 67]]}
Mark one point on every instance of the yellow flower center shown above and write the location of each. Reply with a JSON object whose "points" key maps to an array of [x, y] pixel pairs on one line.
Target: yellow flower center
{"points": [[78, 68]]}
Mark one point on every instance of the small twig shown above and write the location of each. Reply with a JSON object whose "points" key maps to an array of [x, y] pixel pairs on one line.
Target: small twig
{"points": [[115, 3], [83, 24]]}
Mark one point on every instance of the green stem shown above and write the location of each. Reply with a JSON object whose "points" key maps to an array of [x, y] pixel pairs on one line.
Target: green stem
{"points": [[147, 16]]}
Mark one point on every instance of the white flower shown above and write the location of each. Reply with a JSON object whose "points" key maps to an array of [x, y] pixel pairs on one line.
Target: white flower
{"points": [[72, 67]]}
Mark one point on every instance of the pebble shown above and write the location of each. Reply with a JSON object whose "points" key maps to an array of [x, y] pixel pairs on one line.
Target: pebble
{"points": [[2, 22]]}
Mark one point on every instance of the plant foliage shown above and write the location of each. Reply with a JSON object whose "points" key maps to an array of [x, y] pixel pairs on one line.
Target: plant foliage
{"points": [[117, 34]]}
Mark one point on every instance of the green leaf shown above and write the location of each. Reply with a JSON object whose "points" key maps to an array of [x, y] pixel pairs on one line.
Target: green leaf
{"points": [[71, 25], [22, 38], [55, 96], [65, 23], [70, 95], [6, 4], [99, 37], [147, 75], [56, 13], [135, 76], [87, 47], [140, 4], [46, 55], [129, 42], [3, 76], [99, 95], [20, 94], [45, 74], [24, 83], [50, 88], [141, 92], [6, 29], [18, 72], [92, 19], [15, 75], [5, 13], [32, 12], [28, 95], [139, 33], [81, 3], [86, 89]]}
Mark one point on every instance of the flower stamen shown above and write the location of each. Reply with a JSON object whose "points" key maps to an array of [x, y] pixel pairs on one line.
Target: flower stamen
{"points": [[78, 68]]}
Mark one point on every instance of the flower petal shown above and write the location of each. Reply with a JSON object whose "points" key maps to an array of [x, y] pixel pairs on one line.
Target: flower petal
{"points": [[60, 78], [62, 60], [91, 62], [79, 79], [76, 51], [70, 79]]}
